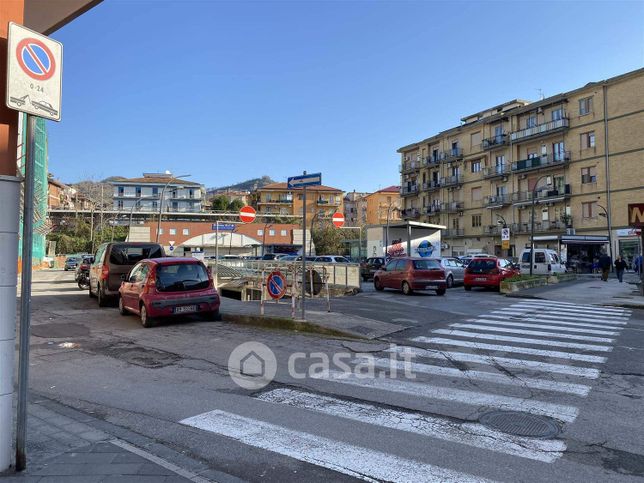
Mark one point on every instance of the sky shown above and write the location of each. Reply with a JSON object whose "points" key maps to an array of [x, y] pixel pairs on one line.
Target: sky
{"points": [[227, 91]]}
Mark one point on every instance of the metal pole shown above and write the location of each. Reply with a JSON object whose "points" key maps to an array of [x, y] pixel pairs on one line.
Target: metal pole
{"points": [[609, 221], [25, 296], [303, 250], [532, 230], [641, 267], [161, 208], [217, 254]]}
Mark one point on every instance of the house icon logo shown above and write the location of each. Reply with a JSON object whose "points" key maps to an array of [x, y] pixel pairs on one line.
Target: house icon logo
{"points": [[252, 365]]}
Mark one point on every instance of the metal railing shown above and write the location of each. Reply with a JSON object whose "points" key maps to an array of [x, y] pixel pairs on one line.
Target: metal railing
{"points": [[453, 207], [499, 170], [542, 195], [453, 233], [432, 185], [409, 190], [408, 166], [451, 180], [540, 129], [495, 141], [452, 155], [497, 200], [411, 213], [543, 161]]}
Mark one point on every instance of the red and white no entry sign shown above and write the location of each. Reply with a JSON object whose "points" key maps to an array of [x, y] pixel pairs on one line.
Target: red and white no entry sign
{"points": [[338, 220], [247, 214]]}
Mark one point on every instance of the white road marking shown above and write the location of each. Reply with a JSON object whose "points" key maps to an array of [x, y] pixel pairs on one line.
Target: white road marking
{"points": [[497, 378], [605, 323], [471, 434], [558, 335], [345, 458], [542, 326], [587, 372], [508, 348], [472, 398], [522, 340], [538, 318], [593, 314], [565, 305]]}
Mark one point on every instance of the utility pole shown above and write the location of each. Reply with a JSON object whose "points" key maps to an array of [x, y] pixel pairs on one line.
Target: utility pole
{"points": [[303, 249]]}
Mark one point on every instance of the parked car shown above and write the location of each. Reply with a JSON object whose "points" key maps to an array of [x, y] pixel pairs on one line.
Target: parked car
{"points": [[296, 258], [545, 262], [409, 274], [488, 272], [331, 259], [112, 263], [454, 270], [272, 256], [370, 266], [168, 287], [71, 263]]}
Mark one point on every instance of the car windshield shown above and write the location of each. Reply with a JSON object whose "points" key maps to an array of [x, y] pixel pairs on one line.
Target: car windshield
{"points": [[131, 254], [481, 266], [426, 265], [181, 277]]}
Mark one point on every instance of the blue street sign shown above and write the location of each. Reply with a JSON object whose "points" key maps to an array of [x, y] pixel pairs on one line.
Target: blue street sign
{"points": [[223, 227], [171, 248], [276, 285], [314, 179]]}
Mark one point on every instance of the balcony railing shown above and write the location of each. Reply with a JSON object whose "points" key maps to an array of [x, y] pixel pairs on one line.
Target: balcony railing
{"points": [[432, 185], [409, 166], [495, 141], [453, 233], [539, 227], [543, 161], [409, 190], [452, 180], [453, 154], [541, 196], [496, 171], [432, 160], [497, 201], [494, 230], [453, 207], [540, 129], [281, 201], [436, 209], [411, 213]]}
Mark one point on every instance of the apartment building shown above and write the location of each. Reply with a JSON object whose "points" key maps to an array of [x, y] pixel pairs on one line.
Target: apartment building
{"points": [[383, 206], [577, 157], [355, 208], [278, 199], [144, 194]]}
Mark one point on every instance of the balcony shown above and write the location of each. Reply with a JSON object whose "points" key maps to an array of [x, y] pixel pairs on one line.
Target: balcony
{"points": [[431, 186], [497, 201], [453, 154], [454, 180], [434, 210], [453, 207], [541, 162], [453, 233], [544, 129], [539, 227], [496, 171], [497, 141], [432, 161], [492, 230], [281, 201], [409, 190], [410, 166], [411, 213], [541, 196]]}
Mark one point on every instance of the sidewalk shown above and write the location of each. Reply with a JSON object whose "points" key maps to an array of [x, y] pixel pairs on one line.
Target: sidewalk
{"points": [[318, 319], [66, 446], [591, 290]]}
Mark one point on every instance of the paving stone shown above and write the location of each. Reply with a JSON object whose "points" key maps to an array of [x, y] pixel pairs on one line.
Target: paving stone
{"points": [[111, 469], [77, 428], [128, 458], [94, 435], [132, 479], [55, 469], [86, 458], [72, 479], [154, 469]]}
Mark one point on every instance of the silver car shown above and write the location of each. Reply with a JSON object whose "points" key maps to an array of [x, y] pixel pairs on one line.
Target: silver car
{"points": [[454, 270]]}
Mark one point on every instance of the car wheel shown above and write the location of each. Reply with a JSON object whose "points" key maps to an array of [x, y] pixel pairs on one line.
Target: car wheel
{"points": [[450, 281], [441, 291], [146, 321], [91, 294], [467, 287], [122, 309], [378, 285], [406, 289], [102, 299]]}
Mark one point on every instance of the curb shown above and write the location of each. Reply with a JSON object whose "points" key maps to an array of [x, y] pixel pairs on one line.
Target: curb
{"points": [[624, 305], [285, 323]]}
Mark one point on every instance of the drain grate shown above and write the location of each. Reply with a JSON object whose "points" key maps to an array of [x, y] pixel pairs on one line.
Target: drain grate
{"points": [[520, 424]]}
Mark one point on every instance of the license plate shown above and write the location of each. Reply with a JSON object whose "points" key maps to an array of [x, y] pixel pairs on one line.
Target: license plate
{"points": [[184, 309], [480, 279], [431, 287]]}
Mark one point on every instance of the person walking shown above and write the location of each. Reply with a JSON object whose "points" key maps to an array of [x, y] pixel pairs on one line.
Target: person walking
{"points": [[637, 264], [604, 263], [620, 266]]}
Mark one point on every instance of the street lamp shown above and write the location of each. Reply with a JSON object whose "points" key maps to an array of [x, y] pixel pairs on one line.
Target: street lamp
{"points": [[610, 237], [501, 221], [534, 200], [161, 200]]}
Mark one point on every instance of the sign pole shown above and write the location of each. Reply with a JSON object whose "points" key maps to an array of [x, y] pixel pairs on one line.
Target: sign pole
{"points": [[642, 258], [25, 296], [217, 254], [303, 250]]}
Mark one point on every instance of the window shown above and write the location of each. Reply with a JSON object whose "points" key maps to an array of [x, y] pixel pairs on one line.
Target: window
{"points": [[589, 175], [589, 209], [155, 205], [476, 166], [271, 232], [454, 148], [475, 139], [498, 131], [585, 106], [500, 164], [531, 121], [185, 231], [260, 232], [455, 223], [588, 140], [558, 151], [539, 257], [476, 220], [173, 231], [476, 194], [557, 114], [283, 232], [121, 190], [138, 191], [160, 231], [120, 204], [155, 190]]}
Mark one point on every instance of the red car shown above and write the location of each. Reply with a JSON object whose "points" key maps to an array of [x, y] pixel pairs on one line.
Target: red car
{"points": [[166, 287], [488, 272], [409, 274]]}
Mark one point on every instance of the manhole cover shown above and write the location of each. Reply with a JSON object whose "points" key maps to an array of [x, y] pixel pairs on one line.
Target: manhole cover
{"points": [[520, 424], [54, 330]]}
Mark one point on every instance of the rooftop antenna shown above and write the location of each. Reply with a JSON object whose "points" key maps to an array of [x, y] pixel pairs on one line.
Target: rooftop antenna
{"points": [[541, 94]]}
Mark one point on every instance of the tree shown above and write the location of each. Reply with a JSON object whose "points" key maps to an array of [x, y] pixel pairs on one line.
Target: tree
{"points": [[235, 205], [219, 203], [328, 240]]}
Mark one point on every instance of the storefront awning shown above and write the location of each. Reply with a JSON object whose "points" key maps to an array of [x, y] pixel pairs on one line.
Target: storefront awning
{"points": [[584, 239]]}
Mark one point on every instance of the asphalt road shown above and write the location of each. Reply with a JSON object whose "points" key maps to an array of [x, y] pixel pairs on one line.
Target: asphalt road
{"points": [[481, 365]]}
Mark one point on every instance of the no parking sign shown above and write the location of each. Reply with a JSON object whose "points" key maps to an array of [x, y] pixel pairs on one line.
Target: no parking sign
{"points": [[276, 285]]}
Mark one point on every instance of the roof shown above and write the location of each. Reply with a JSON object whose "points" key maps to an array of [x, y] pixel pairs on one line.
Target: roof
{"points": [[173, 260], [55, 182], [284, 187], [389, 189], [155, 180]]}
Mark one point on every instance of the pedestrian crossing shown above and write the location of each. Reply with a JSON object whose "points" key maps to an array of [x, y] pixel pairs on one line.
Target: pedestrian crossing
{"points": [[534, 357]]}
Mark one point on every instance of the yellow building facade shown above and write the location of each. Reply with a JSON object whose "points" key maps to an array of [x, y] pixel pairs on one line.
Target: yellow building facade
{"points": [[278, 199], [577, 158], [383, 205]]}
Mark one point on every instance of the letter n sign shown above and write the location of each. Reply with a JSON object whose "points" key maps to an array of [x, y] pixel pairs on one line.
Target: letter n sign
{"points": [[636, 215]]}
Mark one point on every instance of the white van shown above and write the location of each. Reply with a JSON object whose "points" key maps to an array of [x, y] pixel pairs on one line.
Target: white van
{"points": [[545, 261]]}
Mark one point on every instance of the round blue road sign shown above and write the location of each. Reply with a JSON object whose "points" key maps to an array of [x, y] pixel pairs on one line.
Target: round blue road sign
{"points": [[276, 285]]}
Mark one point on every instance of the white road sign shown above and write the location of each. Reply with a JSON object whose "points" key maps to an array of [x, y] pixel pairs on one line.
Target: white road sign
{"points": [[34, 73], [505, 234]]}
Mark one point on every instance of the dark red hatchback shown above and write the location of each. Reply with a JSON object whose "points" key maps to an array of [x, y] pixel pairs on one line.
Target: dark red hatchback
{"points": [[167, 287], [409, 274], [488, 272]]}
